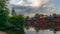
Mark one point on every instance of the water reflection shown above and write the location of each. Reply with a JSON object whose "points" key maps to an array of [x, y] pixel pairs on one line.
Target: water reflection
{"points": [[32, 31]]}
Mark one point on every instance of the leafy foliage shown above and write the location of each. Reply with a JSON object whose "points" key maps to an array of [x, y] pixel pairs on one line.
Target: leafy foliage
{"points": [[3, 16], [13, 11], [37, 16], [17, 22]]}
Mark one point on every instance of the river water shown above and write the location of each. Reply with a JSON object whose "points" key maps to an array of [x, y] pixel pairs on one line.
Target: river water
{"points": [[32, 31]]}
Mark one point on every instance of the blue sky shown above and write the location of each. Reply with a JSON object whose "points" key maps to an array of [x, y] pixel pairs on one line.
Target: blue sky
{"points": [[57, 3], [45, 5]]}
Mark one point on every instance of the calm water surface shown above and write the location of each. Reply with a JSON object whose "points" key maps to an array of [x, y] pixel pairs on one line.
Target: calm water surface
{"points": [[32, 31]]}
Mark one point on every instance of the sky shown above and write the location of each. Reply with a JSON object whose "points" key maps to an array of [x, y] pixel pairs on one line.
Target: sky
{"points": [[31, 7]]}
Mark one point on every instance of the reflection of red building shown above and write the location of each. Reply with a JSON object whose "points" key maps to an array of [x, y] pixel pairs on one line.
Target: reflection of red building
{"points": [[45, 23], [57, 28]]}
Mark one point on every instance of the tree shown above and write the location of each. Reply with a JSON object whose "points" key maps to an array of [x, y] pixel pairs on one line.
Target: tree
{"points": [[54, 14], [18, 22], [13, 11], [3, 16], [26, 19], [37, 16]]}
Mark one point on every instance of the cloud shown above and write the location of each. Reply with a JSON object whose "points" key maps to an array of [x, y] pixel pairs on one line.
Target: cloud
{"points": [[44, 7], [32, 3], [29, 11]]}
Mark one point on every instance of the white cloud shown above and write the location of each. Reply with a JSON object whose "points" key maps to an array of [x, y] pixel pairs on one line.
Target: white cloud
{"points": [[43, 7], [34, 3]]}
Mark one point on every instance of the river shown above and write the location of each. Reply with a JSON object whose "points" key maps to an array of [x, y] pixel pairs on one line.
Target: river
{"points": [[32, 31]]}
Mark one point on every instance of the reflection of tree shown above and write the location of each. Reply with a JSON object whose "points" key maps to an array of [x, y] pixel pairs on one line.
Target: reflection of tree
{"points": [[27, 27], [37, 29], [54, 31]]}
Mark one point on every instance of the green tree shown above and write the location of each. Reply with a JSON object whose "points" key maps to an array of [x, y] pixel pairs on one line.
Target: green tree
{"points": [[37, 16], [3, 16], [17, 22], [13, 11], [54, 14], [26, 19]]}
